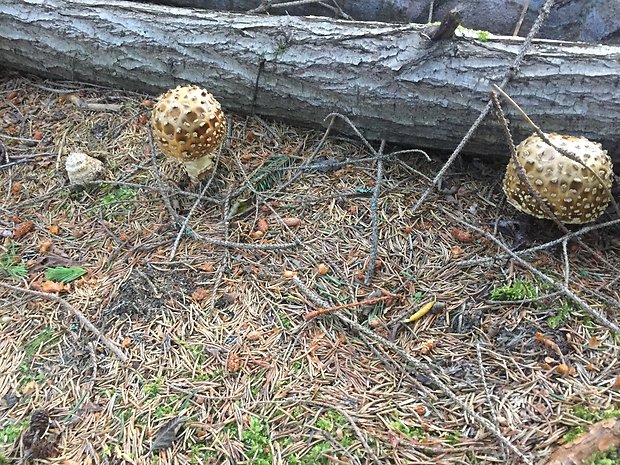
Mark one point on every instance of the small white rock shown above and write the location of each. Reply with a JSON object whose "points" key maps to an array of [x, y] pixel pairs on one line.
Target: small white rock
{"points": [[81, 168]]}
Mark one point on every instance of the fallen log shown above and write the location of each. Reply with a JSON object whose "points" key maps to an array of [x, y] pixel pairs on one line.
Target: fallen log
{"points": [[391, 80], [576, 20]]}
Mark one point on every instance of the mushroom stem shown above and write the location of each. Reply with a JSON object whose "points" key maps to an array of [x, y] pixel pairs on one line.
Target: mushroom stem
{"points": [[198, 167]]}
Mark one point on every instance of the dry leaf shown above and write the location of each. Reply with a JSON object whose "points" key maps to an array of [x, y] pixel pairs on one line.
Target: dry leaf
{"points": [[200, 294], [45, 246], [456, 251], [23, 229], [616, 384], [167, 434], [29, 388], [208, 267], [16, 187], [52, 287], [126, 342], [262, 225], [428, 346], [461, 235], [291, 222]]}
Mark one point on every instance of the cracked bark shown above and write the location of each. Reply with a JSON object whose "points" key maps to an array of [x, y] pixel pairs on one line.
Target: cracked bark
{"points": [[388, 78]]}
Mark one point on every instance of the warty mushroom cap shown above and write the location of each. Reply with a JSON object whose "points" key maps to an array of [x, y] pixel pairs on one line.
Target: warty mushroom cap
{"points": [[189, 124], [572, 191]]}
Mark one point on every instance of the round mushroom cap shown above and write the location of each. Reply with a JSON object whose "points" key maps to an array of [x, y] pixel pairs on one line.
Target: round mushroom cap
{"points": [[188, 123], [82, 168], [572, 191]]}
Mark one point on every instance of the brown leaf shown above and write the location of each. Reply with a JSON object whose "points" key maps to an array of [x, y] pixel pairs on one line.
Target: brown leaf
{"points": [[16, 187], [167, 434], [322, 268], [461, 235], [45, 246], [456, 251], [256, 234], [200, 294], [23, 229], [52, 287], [262, 225], [208, 267], [291, 222]]}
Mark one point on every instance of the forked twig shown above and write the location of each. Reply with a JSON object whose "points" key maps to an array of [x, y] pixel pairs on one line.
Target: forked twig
{"points": [[598, 316]]}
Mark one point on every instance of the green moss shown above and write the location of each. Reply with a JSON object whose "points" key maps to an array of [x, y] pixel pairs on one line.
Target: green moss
{"points": [[573, 433], [583, 412], [518, 290], [45, 338], [453, 438], [153, 389], [332, 421], [12, 431], [414, 432], [257, 442], [564, 313], [609, 457], [483, 36]]}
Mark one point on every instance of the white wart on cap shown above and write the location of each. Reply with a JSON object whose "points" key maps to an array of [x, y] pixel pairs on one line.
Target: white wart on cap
{"points": [[572, 191], [189, 125]]}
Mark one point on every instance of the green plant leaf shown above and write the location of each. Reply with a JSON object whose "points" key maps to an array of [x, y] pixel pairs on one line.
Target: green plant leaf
{"points": [[64, 274]]}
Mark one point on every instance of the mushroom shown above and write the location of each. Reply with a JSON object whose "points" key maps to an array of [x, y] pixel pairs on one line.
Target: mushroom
{"points": [[572, 191], [82, 168], [189, 125]]}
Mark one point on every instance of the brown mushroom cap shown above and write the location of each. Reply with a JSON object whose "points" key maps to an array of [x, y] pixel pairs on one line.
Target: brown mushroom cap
{"points": [[572, 192], [188, 123]]}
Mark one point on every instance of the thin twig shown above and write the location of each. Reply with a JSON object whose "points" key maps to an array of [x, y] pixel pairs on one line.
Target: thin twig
{"points": [[602, 319], [428, 371], [510, 73], [538, 248], [79, 315], [374, 200], [487, 391], [322, 311]]}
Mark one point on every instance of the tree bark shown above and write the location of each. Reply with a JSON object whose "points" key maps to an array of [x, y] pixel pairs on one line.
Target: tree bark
{"points": [[575, 20], [390, 80]]}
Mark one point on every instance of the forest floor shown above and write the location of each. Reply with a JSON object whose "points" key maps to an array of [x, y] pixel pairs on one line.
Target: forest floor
{"points": [[217, 359]]}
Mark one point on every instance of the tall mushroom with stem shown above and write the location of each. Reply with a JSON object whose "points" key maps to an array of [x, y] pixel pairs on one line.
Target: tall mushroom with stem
{"points": [[189, 125]]}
